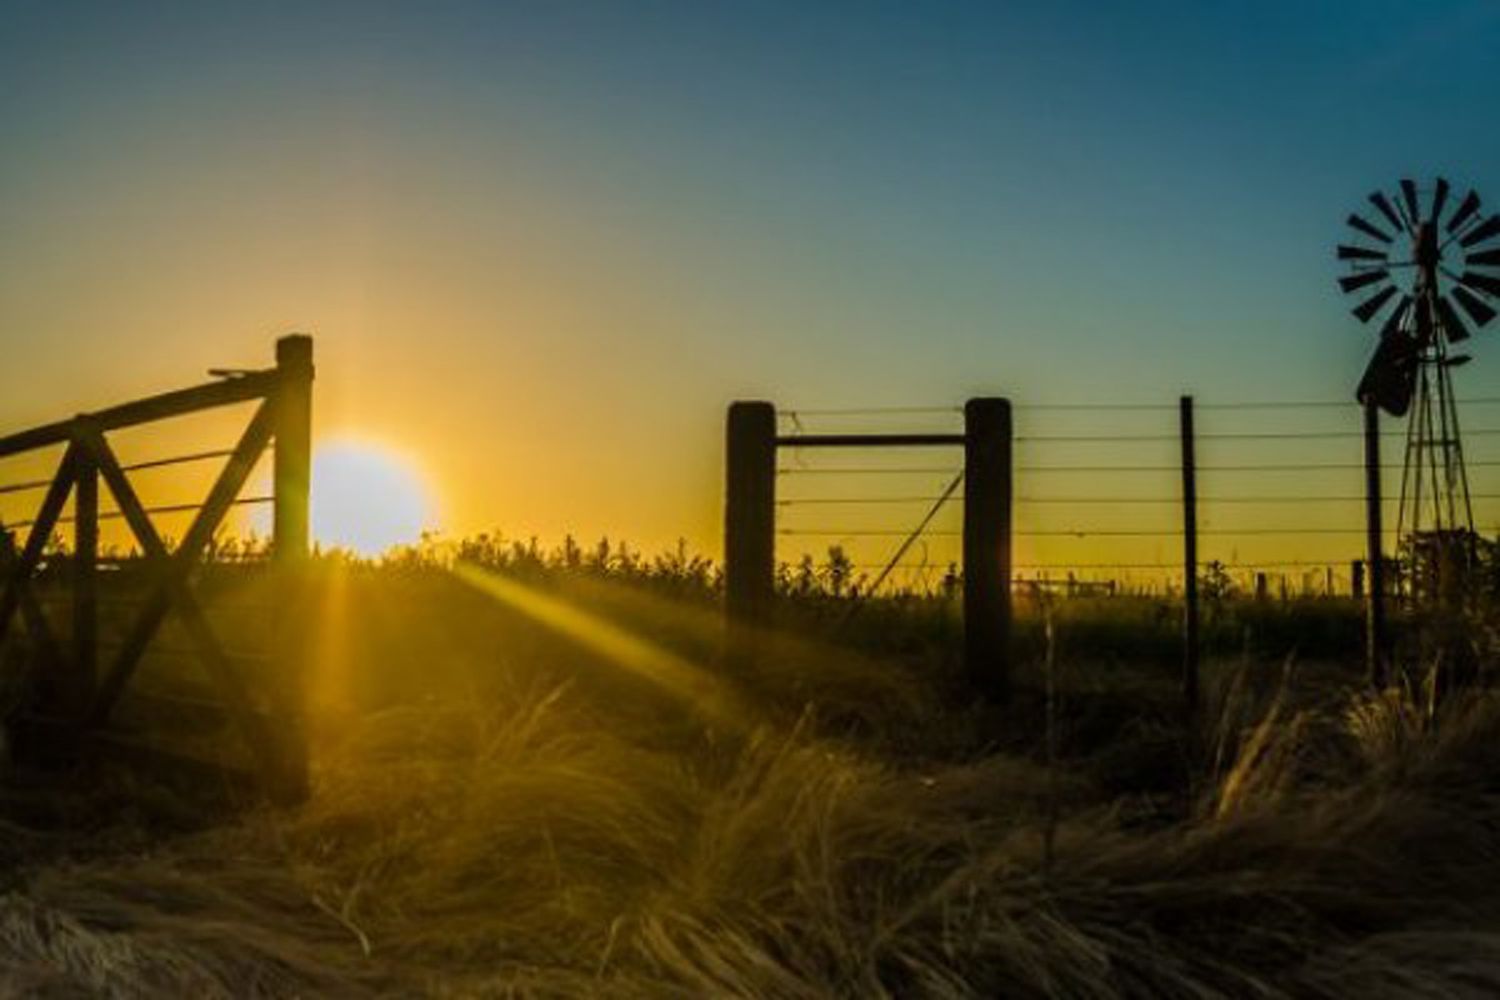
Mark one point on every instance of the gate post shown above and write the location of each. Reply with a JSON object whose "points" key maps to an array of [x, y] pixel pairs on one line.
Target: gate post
{"points": [[749, 526], [987, 545], [289, 553], [294, 363]]}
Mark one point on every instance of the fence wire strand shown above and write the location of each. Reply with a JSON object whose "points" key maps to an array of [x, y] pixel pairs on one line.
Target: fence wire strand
{"points": [[1241, 441]]}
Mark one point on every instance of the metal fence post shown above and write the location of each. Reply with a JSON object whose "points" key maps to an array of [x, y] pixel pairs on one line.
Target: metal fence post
{"points": [[1189, 556], [1375, 638], [987, 545], [749, 526]]}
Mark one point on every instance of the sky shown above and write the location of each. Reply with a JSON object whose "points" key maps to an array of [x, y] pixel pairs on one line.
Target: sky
{"points": [[542, 245]]}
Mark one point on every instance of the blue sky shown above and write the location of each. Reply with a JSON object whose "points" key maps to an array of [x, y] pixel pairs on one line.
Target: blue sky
{"points": [[585, 227]]}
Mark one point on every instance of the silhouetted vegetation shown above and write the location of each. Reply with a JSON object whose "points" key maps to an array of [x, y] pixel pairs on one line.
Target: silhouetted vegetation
{"points": [[501, 809]]}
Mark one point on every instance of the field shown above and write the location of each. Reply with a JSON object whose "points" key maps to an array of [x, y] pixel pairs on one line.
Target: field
{"points": [[533, 776]]}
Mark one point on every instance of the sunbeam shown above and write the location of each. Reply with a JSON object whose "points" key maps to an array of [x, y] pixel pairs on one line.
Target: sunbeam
{"points": [[683, 680]]}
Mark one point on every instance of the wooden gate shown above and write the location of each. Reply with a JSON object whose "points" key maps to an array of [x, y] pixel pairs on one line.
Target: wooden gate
{"points": [[80, 697]]}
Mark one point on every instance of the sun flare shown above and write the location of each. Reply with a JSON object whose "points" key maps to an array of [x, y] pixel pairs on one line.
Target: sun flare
{"points": [[366, 498]]}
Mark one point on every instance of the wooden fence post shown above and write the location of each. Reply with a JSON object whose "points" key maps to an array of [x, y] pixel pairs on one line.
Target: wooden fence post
{"points": [[1375, 639], [749, 526], [290, 548], [79, 689], [1189, 556], [987, 545]]}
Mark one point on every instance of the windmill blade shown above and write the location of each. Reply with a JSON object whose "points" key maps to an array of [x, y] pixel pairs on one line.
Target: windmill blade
{"points": [[1483, 282], [1390, 378], [1439, 198], [1479, 310], [1409, 192], [1357, 281], [1487, 258], [1366, 310], [1485, 230], [1347, 252], [1453, 327], [1380, 201], [1466, 208], [1367, 229]]}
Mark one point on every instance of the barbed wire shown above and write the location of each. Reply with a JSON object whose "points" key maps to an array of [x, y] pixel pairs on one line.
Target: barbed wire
{"points": [[1231, 436], [1070, 532], [1099, 469], [1238, 461], [1225, 564], [1063, 501], [1308, 404]]}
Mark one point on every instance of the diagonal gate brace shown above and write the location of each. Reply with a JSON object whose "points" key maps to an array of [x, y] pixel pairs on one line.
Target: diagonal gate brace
{"points": [[170, 589]]}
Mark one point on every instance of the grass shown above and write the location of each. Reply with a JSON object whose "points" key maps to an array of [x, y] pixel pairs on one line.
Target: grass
{"points": [[500, 810]]}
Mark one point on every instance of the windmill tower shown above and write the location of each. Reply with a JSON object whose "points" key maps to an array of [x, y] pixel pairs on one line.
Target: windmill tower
{"points": [[1420, 263]]}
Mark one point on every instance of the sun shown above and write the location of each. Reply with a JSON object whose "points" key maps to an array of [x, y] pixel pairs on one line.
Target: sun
{"points": [[366, 498]]}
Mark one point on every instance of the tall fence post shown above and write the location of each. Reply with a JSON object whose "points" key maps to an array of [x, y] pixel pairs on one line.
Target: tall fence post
{"points": [[84, 675], [749, 526], [1375, 640], [987, 545], [1189, 556], [290, 549]]}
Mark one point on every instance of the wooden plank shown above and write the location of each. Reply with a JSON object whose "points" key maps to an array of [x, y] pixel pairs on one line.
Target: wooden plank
{"points": [[868, 440], [254, 385]]}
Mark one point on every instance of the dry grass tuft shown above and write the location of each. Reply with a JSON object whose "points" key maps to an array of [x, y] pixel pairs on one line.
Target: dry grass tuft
{"points": [[550, 841]]}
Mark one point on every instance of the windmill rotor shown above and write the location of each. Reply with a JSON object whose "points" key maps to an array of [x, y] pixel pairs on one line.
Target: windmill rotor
{"points": [[1439, 269]]}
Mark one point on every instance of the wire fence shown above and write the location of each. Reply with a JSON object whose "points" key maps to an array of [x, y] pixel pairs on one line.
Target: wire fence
{"points": [[1098, 495]]}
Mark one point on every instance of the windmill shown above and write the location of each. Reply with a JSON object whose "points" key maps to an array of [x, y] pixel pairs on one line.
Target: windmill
{"points": [[1411, 265]]}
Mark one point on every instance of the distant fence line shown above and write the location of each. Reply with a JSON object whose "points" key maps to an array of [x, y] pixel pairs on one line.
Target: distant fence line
{"points": [[1271, 497]]}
